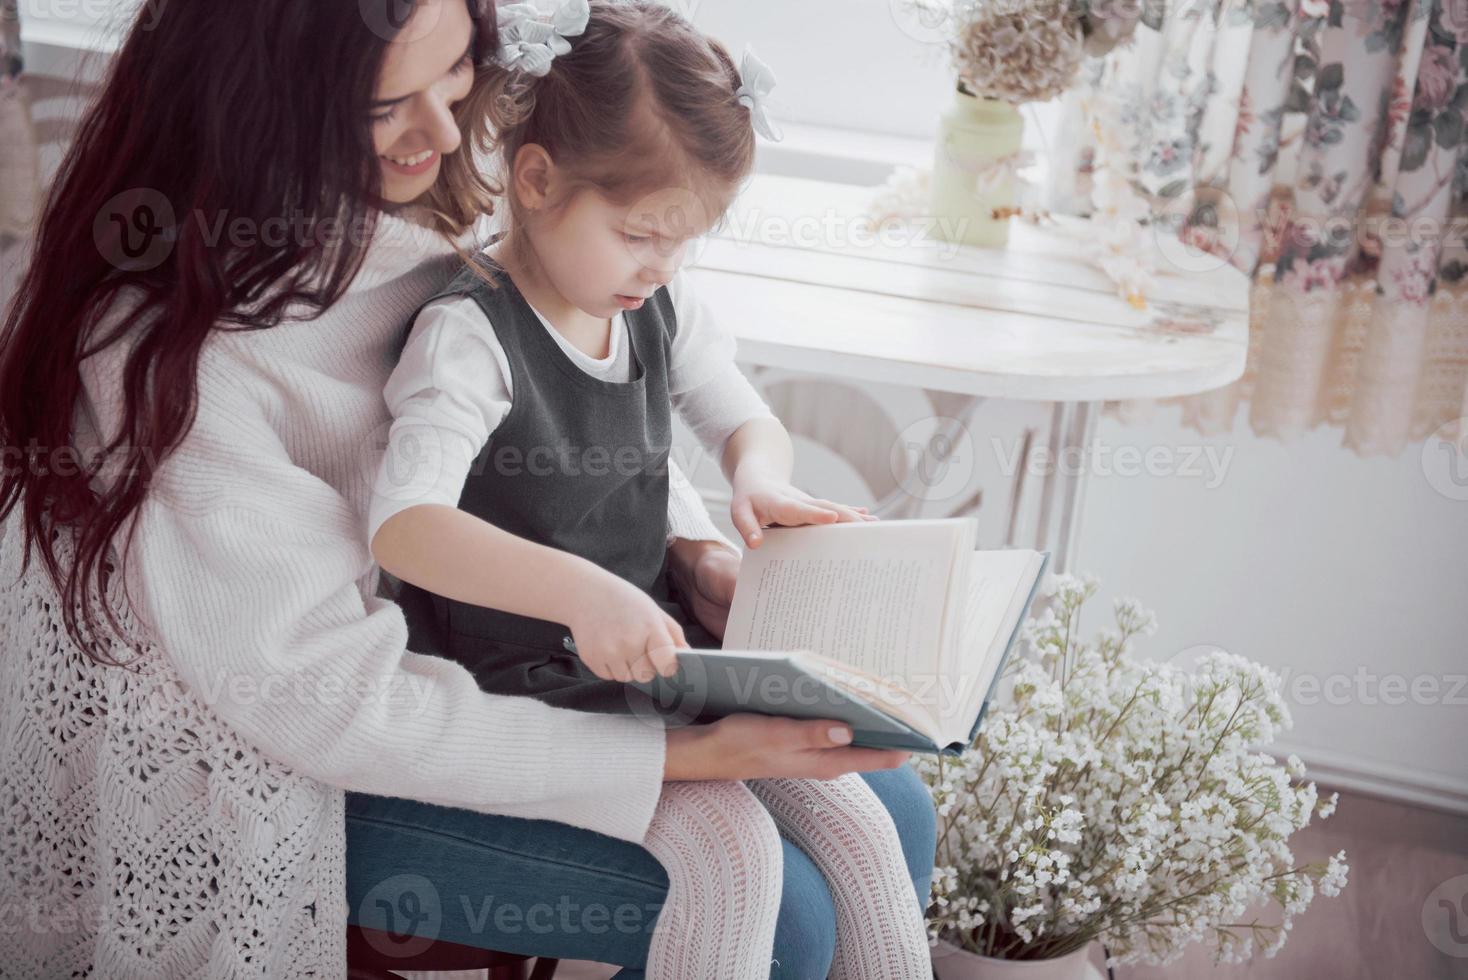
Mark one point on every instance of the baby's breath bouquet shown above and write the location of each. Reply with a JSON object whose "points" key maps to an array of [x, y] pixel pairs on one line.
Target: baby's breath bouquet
{"points": [[1124, 800]]}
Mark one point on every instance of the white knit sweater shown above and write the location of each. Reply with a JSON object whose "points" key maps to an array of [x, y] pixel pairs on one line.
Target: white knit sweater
{"points": [[184, 818]]}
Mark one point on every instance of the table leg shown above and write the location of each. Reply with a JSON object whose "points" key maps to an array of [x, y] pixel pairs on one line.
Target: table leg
{"points": [[1073, 426]]}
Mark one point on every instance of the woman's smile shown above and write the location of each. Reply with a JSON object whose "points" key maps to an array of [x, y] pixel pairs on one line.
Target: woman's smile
{"points": [[412, 164]]}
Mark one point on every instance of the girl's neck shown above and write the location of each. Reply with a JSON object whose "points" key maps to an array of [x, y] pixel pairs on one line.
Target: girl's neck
{"points": [[588, 333]]}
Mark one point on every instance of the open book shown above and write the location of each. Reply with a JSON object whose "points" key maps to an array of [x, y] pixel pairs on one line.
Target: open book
{"points": [[900, 628]]}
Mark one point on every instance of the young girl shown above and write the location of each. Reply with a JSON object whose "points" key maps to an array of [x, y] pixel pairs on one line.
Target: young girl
{"points": [[533, 400]]}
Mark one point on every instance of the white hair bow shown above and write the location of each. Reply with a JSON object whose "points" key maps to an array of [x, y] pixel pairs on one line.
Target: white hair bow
{"points": [[529, 42], [755, 82]]}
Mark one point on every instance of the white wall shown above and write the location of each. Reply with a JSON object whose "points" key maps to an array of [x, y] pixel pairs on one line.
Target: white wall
{"points": [[849, 64], [1335, 570]]}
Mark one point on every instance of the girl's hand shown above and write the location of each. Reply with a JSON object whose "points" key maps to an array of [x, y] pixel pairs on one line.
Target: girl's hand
{"points": [[621, 634], [750, 746], [760, 500]]}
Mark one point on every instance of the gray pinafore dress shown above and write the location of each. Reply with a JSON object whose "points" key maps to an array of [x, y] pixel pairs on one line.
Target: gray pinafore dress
{"points": [[579, 464]]}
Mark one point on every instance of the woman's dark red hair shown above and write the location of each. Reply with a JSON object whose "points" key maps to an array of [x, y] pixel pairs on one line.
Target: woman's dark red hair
{"points": [[212, 111]]}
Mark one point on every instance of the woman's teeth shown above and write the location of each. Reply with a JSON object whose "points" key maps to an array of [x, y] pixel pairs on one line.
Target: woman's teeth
{"points": [[411, 161]]}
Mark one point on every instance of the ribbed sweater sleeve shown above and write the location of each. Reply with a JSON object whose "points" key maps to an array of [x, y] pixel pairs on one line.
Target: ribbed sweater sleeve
{"points": [[249, 570]]}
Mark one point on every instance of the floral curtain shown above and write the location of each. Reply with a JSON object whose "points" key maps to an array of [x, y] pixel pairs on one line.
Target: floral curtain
{"points": [[1319, 146]]}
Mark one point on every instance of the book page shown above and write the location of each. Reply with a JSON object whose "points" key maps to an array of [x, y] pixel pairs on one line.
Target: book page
{"points": [[870, 594], [999, 581]]}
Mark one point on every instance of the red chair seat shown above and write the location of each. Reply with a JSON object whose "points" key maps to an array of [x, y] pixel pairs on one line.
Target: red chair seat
{"points": [[375, 955]]}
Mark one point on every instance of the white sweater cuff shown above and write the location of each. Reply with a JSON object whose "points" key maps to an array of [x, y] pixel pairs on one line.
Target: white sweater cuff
{"points": [[687, 515], [610, 773]]}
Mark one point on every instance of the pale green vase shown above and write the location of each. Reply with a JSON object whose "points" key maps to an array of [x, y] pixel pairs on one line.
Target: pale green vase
{"points": [[973, 133]]}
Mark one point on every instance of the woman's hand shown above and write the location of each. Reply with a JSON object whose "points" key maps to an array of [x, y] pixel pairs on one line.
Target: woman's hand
{"points": [[750, 746], [704, 573], [620, 633], [761, 499]]}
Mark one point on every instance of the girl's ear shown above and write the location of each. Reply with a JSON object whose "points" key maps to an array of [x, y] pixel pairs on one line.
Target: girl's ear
{"points": [[531, 174]]}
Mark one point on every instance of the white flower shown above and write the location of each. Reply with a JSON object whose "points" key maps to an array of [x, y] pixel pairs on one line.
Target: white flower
{"points": [[1124, 798], [1334, 878], [1327, 807]]}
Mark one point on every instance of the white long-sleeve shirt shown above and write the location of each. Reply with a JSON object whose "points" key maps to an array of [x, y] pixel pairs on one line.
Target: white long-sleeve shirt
{"points": [[451, 388]]}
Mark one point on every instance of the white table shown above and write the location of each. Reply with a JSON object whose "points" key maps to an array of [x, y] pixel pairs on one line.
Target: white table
{"points": [[809, 290]]}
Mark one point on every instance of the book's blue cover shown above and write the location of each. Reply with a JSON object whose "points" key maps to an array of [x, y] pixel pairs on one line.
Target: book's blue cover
{"points": [[713, 683]]}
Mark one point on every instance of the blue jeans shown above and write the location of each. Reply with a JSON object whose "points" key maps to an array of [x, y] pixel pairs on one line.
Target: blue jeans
{"points": [[544, 888]]}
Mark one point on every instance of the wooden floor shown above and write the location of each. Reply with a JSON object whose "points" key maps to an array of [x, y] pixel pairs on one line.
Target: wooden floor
{"points": [[1403, 860]]}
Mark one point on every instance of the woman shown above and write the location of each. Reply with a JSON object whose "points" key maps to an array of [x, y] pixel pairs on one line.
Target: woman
{"points": [[191, 372]]}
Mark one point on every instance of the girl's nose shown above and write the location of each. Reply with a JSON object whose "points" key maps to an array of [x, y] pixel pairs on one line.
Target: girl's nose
{"points": [[660, 272], [658, 275]]}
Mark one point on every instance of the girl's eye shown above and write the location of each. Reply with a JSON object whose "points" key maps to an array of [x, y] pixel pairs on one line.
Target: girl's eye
{"points": [[637, 239], [463, 64], [385, 117]]}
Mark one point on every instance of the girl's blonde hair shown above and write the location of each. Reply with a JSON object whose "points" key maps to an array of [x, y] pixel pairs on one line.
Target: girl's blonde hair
{"points": [[643, 102]]}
